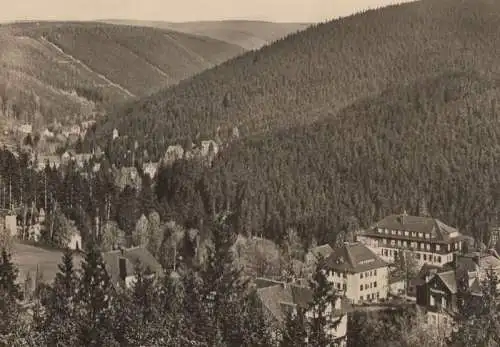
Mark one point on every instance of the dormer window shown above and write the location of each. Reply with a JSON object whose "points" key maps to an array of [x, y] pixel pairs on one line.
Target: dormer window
{"points": [[407, 233]]}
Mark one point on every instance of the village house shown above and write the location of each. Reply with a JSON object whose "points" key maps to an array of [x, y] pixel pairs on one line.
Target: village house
{"points": [[121, 265], [127, 176], [428, 239], [359, 273], [8, 222], [47, 134], [438, 288], [75, 241], [41, 162], [25, 129], [172, 154], [279, 298], [150, 169]]}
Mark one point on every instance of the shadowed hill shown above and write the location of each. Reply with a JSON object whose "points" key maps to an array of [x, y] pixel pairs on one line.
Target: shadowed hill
{"points": [[245, 33], [313, 74], [71, 66]]}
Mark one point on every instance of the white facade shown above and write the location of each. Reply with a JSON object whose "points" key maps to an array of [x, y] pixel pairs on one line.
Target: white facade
{"points": [[387, 249], [372, 285], [75, 241]]}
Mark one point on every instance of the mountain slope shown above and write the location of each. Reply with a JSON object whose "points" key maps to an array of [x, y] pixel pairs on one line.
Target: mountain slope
{"points": [[100, 63], [436, 141], [247, 34], [317, 72]]}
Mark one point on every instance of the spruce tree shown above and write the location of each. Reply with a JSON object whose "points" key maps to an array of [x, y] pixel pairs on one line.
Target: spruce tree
{"points": [[223, 285], [60, 319], [294, 333], [95, 294], [321, 307]]}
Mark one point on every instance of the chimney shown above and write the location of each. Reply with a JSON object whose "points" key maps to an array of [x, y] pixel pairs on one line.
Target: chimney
{"points": [[123, 268]]}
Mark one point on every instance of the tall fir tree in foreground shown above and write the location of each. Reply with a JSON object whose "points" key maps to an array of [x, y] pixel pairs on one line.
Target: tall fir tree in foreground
{"points": [[59, 320], [223, 286], [295, 330], [321, 309], [95, 301]]}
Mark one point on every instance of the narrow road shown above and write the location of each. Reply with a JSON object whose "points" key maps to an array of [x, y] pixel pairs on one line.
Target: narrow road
{"points": [[79, 62]]}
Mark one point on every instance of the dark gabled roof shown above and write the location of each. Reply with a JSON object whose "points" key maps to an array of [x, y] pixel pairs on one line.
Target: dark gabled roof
{"points": [[132, 256], [431, 226], [279, 298], [354, 257], [449, 279]]}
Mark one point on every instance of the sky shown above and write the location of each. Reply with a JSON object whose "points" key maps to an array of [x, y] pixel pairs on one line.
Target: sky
{"points": [[185, 10]]}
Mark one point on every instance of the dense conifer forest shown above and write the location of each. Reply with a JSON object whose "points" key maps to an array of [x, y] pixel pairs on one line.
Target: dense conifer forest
{"points": [[435, 142], [317, 72]]}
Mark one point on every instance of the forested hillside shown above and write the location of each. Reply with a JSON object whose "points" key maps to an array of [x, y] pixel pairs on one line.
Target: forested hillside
{"points": [[71, 67], [317, 72], [435, 141]]}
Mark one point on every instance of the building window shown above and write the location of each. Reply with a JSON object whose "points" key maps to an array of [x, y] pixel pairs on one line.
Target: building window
{"points": [[344, 286], [443, 302], [361, 298], [432, 302], [438, 248], [417, 255], [366, 286], [361, 287], [439, 259], [425, 257], [385, 252], [338, 285], [361, 275], [374, 272], [399, 232], [406, 233], [378, 295], [375, 284], [344, 275], [428, 247], [371, 285]]}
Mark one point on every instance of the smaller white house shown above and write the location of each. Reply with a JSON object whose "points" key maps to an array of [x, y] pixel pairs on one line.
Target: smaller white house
{"points": [[75, 242], [358, 272], [25, 129]]}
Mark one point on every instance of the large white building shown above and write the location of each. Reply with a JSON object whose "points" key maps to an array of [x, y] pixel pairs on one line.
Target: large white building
{"points": [[358, 273], [428, 239]]}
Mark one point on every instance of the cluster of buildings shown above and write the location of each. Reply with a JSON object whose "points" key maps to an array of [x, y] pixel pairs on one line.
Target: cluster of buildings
{"points": [[362, 272]]}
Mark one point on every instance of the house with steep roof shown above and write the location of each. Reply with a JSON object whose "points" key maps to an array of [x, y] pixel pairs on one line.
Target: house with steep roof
{"points": [[280, 298], [428, 239], [121, 264], [438, 288], [358, 272]]}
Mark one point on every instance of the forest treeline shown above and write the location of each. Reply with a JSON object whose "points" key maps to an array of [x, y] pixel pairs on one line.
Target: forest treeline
{"points": [[307, 76], [435, 142]]}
